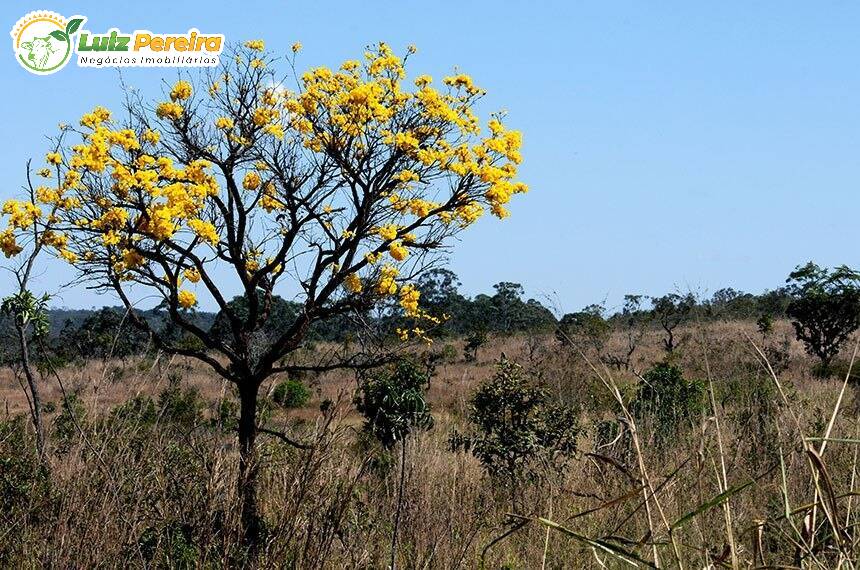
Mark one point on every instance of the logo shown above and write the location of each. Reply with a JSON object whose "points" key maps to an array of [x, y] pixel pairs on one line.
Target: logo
{"points": [[43, 42]]}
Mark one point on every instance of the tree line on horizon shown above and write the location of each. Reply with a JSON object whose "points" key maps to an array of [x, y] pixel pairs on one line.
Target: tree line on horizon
{"points": [[93, 333]]}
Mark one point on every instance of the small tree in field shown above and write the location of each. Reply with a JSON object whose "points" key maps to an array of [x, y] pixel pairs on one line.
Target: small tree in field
{"points": [[27, 311], [337, 192], [825, 308], [394, 405], [671, 311], [519, 432]]}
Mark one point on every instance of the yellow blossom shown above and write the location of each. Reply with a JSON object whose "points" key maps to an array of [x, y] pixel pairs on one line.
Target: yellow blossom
{"points": [[181, 91], [387, 284], [397, 251], [8, 245], [205, 230], [251, 181], [409, 296], [186, 299], [151, 136], [192, 274], [224, 123], [168, 110], [353, 283], [387, 232]]}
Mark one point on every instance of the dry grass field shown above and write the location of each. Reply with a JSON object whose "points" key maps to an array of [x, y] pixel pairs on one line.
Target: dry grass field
{"points": [[745, 484]]}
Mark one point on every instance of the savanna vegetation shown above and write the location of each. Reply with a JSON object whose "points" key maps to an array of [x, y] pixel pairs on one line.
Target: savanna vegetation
{"points": [[346, 405]]}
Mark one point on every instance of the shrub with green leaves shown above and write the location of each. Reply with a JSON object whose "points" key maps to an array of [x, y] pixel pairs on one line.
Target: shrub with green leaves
{"points": [[666, 400], [291, 394], [474, 341], [519, 432], [393, 402], [824, 310], [181, 406]]}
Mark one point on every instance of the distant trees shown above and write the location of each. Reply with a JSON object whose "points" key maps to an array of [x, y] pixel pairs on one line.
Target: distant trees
{"points": [[633, 322], [824, 309], [588, 326], [504, 312], [104, 334]]}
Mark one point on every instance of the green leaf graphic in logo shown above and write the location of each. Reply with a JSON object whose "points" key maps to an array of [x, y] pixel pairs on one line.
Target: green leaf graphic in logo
{"points": [[57, 34], [73, 26]]}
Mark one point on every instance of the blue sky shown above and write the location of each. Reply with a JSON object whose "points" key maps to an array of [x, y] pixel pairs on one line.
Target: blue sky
{"points": [[667, 145]]}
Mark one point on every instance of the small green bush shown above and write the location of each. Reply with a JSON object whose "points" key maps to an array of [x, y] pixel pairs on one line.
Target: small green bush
{"points": [[291, 394], [519, 432], [393, 402], [665, 400], [139, 410], [72, 416], [181, 406]]}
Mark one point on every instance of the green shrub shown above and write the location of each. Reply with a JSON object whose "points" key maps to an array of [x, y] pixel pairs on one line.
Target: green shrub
{"points": [[519, 433], [139, 410], [20, 474], [824, 310], [291, 394], [665, 400], [72, 416], [180, 406], [474, 341], [393, 402], [169, 545]]}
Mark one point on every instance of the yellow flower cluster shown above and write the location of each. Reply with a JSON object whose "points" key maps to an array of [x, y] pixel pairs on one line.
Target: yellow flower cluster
{"points": [[251, 181], [192, 274], [205, 230], [409, 296], [8, 245], [257, 45], [186, 299], [21, 214], [150, 136], [387, 284], [95, 118], [168, 110], [352, 282], [269, 201], [224, 123], [397, 251], [387, 232], [181, 91]]}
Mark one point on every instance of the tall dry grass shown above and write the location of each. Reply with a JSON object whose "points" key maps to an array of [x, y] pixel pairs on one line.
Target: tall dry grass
{"points": [[767, 477]]}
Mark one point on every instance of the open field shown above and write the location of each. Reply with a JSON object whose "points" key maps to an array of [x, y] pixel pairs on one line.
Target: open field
{"points": [[132, 489]]}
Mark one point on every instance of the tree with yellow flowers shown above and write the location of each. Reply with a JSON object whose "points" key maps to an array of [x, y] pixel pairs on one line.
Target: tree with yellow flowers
{"points": [[343, 187]]}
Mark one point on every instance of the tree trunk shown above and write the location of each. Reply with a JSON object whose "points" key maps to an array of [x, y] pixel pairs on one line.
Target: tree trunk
{"points": [[248, 468], [36, 403]]}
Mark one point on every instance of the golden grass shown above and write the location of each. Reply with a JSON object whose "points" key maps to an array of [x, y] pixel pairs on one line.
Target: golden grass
{"points": [[121, 495]]}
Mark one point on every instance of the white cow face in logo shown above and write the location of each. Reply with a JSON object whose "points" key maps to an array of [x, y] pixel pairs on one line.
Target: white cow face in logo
{"points": [[38, 51]]}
